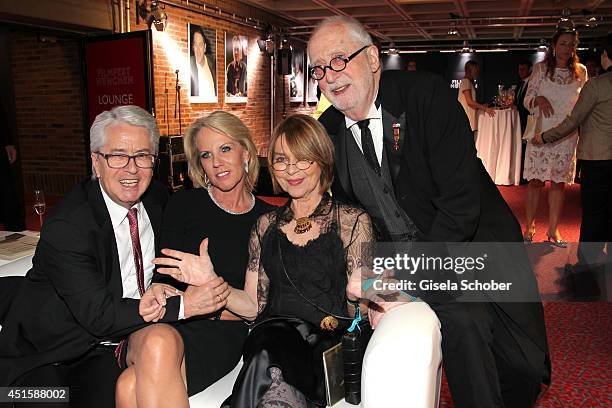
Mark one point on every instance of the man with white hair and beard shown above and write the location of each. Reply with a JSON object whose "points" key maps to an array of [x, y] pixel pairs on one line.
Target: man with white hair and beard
{"points": [[405, 152], [90, 282]]}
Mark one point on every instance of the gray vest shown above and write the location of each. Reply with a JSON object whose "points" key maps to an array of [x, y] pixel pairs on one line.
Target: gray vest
{"points": [[376, 195]]}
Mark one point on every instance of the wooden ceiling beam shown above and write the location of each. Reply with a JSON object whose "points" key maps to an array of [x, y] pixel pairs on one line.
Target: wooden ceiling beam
{"points": [[408, 18], [463, 10], [524, 10]]}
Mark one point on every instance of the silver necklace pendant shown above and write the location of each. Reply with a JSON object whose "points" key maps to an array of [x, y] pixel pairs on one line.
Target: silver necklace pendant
{"points": [[212, 197]]}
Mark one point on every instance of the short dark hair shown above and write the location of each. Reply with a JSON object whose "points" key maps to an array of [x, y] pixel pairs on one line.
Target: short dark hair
{"points": [[525, 62], [607, 45], [200, 30]]}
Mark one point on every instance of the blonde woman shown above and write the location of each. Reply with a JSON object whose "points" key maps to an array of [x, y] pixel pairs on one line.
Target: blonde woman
{"points": [[553, 90], [467, 95], [183, 359]]}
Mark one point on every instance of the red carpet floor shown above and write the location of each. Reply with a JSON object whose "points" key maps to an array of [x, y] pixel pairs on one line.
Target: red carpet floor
{"points": [[579, 334]]}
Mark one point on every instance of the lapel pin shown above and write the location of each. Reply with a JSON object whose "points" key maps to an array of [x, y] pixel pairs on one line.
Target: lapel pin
{"points": [[396, 136]]}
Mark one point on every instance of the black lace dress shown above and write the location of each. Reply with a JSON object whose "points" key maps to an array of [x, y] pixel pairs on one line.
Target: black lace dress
{"points": [[287, 339]]}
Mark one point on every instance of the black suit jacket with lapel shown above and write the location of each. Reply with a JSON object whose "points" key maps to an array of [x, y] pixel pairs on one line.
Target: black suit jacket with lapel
{"points": [[521, 90], [437, 178], [72, 298]]}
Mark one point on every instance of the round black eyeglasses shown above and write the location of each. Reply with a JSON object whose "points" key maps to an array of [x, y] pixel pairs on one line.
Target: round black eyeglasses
{"points": [[336, 64]]}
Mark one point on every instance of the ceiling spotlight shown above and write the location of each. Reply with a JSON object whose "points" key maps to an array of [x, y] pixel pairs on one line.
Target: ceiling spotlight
{"points": [[392, 49], [452, 29], [266, 43], [590, 20], [565, 21], [466, 48], [155, 16]]}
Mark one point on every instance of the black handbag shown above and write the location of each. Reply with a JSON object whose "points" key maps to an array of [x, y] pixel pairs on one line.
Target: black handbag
{"points": [[354, 342]]}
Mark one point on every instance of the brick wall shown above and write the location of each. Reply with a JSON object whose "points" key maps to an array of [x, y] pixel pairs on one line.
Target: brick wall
{"points": [[170, 52], [49, 98], [48, 105]]}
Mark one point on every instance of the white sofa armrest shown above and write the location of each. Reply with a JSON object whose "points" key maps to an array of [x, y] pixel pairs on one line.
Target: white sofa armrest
{"points": [[402, 366]]}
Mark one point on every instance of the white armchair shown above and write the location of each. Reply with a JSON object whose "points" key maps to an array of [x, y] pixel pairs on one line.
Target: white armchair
{"points": [[401, 367]]}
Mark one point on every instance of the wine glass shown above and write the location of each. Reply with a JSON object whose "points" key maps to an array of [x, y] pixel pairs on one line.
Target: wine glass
{"points": [[39, 204]]}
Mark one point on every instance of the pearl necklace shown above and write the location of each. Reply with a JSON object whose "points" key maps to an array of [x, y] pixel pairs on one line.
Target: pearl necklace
{"points": [[212, 197]]}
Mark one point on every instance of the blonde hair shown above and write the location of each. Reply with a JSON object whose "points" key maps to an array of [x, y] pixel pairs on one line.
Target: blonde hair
{"points": [[307, 140], [231, 126]]}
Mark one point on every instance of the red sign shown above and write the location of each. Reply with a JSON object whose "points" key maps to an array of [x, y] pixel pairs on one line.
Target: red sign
{"points": [[116, 73]]}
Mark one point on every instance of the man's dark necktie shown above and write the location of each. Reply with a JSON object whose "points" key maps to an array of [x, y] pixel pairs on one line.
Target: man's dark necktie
{"points": [[133, 219], [367, 145], [136, 249], [521, 90]]}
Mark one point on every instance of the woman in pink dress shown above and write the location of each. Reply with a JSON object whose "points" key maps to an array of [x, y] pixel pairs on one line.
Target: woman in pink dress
{"points": [[553, 90]]}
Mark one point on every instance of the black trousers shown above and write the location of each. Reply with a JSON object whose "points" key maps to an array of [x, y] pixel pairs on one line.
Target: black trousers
{"points": [[596, 196], [91, 380], [11, 210], [484, 357]]}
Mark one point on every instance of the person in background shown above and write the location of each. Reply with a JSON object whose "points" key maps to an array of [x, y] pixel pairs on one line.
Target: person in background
{"points": [[411, 65], [301, 258], [554, 87], [186, 357], [203, 68], [322, 105], [11, 211], [593, 67], [524, 71], [236, 73], [593, 114], [467, 95]]}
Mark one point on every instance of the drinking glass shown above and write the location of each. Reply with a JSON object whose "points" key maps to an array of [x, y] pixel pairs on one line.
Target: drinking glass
{"points": [[39, 204]]}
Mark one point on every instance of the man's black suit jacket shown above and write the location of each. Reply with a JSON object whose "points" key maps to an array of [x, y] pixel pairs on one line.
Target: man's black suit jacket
{"points": [[437, 178], [519, 102], [72, 298]]}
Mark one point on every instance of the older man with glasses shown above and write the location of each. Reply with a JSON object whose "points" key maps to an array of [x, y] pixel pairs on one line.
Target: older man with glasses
{"points": [[93, 264], [404, 151]]}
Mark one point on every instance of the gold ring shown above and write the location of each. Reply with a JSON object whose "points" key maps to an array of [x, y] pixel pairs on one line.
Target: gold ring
{"points": [[219, 297]]}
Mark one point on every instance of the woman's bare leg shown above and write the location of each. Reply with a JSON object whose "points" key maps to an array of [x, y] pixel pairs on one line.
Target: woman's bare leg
{"points": [[534, 189], [125, 390], [156, 356], [556, 196]]}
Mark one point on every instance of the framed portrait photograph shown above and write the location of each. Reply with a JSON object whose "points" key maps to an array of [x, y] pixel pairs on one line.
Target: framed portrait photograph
{"points": [[312, 85], [202, 64], [296, 80], [236, 81]]}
